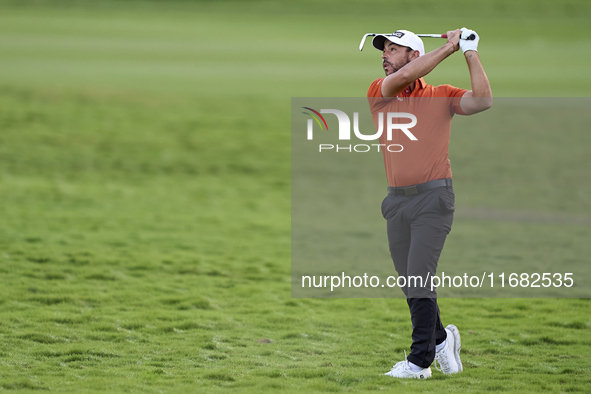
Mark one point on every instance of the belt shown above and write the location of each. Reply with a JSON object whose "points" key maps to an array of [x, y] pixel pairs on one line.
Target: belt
{"points": [[420, 188]]}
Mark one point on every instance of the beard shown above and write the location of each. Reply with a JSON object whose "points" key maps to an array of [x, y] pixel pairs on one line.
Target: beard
{"points": [[396, 67]]}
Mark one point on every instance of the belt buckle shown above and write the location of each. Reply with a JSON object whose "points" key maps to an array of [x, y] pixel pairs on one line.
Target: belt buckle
{"points": [[411, 190]]}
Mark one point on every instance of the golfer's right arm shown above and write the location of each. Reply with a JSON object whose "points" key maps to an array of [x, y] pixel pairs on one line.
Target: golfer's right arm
{"points": [[398, 81]]}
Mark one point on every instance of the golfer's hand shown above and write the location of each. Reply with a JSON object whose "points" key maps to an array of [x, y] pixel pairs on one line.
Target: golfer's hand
{"points": [[453, 36], [468, 45]]}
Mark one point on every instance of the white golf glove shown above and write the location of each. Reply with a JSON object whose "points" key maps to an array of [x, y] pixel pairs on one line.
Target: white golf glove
{"points": [[468, 45]]}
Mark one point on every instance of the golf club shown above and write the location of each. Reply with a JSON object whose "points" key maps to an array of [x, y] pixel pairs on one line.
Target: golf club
{"points": [[470, 37]]}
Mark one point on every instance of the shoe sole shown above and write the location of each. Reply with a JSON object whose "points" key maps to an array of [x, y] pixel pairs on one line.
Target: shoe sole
{"points": [[418, 376], [457, 345]]}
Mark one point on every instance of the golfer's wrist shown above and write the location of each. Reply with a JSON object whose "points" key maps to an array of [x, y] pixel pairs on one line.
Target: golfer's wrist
{"points": [[453, 46]]}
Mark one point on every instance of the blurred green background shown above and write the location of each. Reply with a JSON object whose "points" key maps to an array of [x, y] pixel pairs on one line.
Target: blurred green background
{"points": [[272, 50], [145, 183]]}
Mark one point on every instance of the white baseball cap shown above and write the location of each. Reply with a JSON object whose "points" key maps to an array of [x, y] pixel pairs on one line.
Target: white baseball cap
{"points": [[401, 37]]}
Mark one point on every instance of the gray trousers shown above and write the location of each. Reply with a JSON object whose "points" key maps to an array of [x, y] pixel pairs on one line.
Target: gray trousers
{"points": [[417, 227]]}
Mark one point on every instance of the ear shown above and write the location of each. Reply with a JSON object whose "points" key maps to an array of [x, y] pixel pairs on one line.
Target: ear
{"points": [[414, 55]]}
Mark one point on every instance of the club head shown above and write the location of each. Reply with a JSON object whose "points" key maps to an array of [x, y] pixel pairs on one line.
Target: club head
{"points": [[364, 38]]}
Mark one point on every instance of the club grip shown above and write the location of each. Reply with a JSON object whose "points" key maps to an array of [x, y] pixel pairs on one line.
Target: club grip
{"points": [[470, 37]]}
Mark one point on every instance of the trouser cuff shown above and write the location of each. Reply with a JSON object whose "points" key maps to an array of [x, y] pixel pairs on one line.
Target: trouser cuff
{"points": [[416, 361]]}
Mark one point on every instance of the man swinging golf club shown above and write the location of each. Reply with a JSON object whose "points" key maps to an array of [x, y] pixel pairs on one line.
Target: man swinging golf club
{"points": [[420, 202]]}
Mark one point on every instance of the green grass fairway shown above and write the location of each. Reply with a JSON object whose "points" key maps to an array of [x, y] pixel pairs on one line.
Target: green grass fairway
{"points": [[145, 187]]}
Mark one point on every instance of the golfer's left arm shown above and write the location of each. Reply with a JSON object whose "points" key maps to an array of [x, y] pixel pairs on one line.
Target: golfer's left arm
{"points": [[480, 97]]}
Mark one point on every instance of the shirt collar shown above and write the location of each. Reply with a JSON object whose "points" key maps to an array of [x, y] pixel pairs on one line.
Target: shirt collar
{"points": [[420, 84]]}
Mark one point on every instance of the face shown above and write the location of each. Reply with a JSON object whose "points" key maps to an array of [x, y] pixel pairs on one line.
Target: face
{"points": [[395, 56]]}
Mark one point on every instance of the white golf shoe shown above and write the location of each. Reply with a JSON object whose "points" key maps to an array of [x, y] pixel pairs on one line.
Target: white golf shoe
{"points": [[402, 370], [449, 356]]}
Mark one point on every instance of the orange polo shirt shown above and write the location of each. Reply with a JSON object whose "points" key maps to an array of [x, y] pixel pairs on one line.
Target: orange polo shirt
{"points": [[411, 162]]}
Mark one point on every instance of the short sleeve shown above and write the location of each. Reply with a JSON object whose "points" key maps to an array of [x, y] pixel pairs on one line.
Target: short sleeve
{"points": [[375, 89], [455, 94]]}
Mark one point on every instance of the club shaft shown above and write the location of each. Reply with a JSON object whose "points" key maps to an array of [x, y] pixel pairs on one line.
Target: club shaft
{"points": [[471, 37], [433, 35]]}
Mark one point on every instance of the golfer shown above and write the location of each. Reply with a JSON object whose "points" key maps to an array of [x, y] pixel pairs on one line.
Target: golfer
{"points": [[419, 206]]}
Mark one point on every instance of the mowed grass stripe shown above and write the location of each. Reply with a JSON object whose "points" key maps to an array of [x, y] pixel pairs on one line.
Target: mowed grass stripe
{"points": [[197, 54]]}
